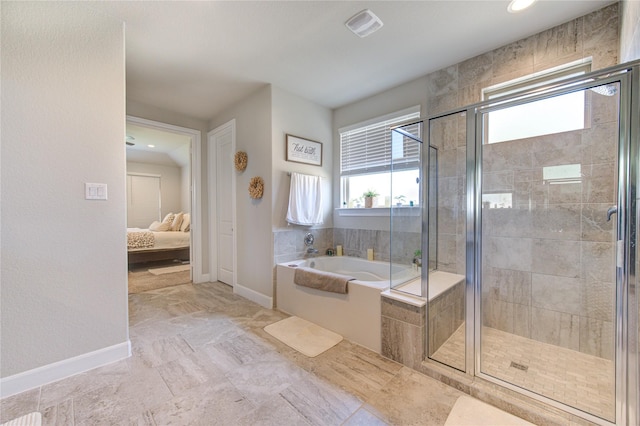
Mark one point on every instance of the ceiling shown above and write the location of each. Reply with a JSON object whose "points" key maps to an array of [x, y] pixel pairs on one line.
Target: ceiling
{"points": [[197, 58], [169, 149]]}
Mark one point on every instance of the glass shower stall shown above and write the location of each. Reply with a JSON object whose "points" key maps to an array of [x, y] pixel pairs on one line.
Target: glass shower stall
{"points": [[530, 222]]}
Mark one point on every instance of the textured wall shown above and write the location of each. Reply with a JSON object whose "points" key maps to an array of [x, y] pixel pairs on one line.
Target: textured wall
{"points": [[64, 262]]}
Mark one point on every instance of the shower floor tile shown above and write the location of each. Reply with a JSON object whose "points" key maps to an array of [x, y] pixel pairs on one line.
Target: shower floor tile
{"points": [[582, 381]]}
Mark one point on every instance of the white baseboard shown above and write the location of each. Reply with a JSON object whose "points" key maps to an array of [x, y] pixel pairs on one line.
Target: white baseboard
{"points": [[59, 370], [254, 296], [201, 278]]}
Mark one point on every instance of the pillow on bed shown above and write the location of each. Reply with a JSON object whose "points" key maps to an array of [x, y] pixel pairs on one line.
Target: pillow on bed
{"points": [[177, 221], [159, 226], [169, 218], [186, 222]]}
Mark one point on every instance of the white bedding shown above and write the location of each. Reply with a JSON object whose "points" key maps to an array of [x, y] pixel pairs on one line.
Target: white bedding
{"points": [[165, 240]]}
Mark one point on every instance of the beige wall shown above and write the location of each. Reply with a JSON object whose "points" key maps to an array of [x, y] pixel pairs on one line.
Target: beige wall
{"points": [[63, 261], [300, 117], [254, 249], [185, 190], [297, 116], [262, 120], [170, 184]]}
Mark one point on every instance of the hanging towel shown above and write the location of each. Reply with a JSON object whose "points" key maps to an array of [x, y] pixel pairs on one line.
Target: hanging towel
{"points": [[322, 280], [305, 200]]}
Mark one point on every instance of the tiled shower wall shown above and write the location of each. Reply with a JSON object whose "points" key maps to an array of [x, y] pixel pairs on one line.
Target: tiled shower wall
{"points": [[522, 296], [548, 262], [401, 245], [289, 243]]}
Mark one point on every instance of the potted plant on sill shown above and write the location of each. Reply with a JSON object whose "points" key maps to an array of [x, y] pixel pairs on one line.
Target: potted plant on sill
{"points": [[400, 200], [368, 196], [417, 258]]}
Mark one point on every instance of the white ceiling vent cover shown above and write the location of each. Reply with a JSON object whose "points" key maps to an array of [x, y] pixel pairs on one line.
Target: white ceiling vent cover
{"points": [[364, 23]]}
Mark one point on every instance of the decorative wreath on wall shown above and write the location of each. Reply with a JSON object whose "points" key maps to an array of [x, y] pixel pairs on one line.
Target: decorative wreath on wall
{"points": [[241, 160], [256, 187]]}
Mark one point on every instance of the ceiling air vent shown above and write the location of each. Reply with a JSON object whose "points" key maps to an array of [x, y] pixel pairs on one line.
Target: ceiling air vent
{"points": [[364, 23]]}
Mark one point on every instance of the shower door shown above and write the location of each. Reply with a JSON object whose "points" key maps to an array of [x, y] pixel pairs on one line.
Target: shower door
{"points": [[548, 230]]}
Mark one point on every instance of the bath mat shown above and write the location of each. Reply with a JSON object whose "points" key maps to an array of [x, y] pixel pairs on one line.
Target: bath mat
{"points": [[304, 336], [31, 419], [468, 411], [169, 269]]}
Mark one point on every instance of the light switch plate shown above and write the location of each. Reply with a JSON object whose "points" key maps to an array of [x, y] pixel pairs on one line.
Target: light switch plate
{"points": [[95, 191]]}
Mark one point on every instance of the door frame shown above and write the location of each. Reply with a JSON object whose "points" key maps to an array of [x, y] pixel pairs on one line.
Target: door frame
{"points": [[196, 220], [212, 161]]}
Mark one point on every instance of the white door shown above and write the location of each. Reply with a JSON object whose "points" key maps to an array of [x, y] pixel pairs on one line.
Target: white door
{"points": [[143, 200], [225, 209]]}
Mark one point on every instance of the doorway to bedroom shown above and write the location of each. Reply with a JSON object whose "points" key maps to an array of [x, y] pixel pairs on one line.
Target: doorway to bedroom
{"points": [[159, 205]]}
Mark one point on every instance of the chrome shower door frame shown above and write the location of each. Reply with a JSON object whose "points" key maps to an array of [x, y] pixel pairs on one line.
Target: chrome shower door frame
{"points": [[625, 230], [627, 364]]}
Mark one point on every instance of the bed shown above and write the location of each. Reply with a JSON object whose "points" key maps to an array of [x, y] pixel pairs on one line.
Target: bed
{"points": [[158, 242]]}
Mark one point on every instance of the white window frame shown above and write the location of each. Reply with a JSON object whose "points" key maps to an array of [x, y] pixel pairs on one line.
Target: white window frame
{"points": [[387, 121], [533, 81]]}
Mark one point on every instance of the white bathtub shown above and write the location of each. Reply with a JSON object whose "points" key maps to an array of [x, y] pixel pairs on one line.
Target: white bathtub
{"points": [[355, 315]]}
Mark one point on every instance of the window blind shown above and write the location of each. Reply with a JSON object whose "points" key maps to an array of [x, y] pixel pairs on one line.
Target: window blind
{"points": [[371, 148]]}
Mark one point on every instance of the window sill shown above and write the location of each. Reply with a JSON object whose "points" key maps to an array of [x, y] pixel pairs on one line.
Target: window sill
{"points": [[380, 211]]}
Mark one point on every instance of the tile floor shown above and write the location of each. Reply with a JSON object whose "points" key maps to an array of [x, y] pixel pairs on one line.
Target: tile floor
{"points": [[201, 357], [580, 380]]}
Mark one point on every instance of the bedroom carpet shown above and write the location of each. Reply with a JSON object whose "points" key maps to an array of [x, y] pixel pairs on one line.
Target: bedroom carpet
{"points": [[169, 269], [141, 281]]}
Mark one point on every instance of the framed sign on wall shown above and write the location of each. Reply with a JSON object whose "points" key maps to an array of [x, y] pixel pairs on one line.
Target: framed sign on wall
{"points": [[301, 150]]}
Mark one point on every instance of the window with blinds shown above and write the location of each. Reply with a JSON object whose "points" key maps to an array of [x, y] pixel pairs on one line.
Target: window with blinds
{"points": [[371, 148], [369, 152]]}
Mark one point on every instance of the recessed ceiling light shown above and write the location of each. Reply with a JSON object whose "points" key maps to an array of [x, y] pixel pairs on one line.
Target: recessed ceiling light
{"points": [[518, 5], [151, 146], [364, 23]]}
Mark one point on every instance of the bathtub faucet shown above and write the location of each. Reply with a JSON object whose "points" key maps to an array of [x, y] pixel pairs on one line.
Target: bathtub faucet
{"points": [[308, 241]]}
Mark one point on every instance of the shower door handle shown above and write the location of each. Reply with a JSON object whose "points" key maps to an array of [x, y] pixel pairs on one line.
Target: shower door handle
{"points": [[612, 210]]}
